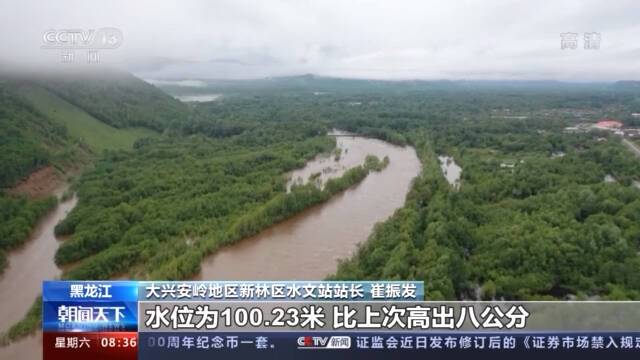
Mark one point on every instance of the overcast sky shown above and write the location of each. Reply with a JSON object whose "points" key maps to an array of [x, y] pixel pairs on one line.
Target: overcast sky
{"points": [[217, 39]]}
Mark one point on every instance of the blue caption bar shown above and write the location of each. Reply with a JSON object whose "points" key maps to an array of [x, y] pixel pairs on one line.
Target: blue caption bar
{"points": [[282, 291], [73, 306]]}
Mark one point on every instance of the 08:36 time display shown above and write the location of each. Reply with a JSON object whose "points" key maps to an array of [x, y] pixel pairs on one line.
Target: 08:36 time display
{"points": [[118, 342]]}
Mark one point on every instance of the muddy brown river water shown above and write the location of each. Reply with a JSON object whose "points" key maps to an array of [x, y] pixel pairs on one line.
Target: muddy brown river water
{"points": [[306, 246], [21, 282]]}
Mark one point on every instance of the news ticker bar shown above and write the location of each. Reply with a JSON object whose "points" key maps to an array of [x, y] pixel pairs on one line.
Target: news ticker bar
{"points": [[131, 319], [407, 346]]}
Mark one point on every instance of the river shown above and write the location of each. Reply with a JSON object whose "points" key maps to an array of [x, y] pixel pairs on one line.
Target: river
{"points": [[308, 245], [21, 281]]}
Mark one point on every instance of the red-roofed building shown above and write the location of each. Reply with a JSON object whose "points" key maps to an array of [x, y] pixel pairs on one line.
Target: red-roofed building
{"points": [[609, 124]]}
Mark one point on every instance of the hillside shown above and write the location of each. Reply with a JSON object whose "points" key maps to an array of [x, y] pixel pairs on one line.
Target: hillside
{"points": [[59, 119], [50, 125], [81, 125], [28, 139], [118, 99]]}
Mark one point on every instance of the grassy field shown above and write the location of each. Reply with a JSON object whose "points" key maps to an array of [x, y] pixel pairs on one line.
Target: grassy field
{"points": [[98, 135]]}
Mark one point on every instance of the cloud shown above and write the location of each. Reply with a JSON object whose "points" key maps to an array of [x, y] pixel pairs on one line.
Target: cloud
{"points": [[399, 39]]}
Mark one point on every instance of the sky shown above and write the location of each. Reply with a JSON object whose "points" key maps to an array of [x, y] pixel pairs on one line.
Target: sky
{"points": [[399, 39]]}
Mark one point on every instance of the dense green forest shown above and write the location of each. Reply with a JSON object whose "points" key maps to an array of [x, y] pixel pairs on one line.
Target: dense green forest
{"points": [[62, 120], [39, 129], [199, 176], [28, 139], [118, 99], [548, 227], [188, 196], [65, 121]]}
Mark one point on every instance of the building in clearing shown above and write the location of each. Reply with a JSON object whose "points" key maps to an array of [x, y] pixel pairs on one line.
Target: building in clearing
{"points": [[608, 124], [632, 133], [508, 164]]}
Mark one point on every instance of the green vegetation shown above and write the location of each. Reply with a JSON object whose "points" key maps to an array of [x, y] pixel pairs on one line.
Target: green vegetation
{"points": [[564, 230], [28, 139], [17, 217], [549, 227], [546, 228], [117, 99], [285, 205], [373, 163], [188, 196], [61, 119], [159, 199], [39, 128], [96, 134]]}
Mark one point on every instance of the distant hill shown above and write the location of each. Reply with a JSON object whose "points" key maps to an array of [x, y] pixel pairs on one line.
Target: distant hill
{"points": [[28, 139], [627, 85], [61, 119], [118, 99], [81, 125], [322, 85], [318, 85]]}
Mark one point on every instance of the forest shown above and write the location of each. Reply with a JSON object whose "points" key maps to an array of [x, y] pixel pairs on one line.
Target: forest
{"points": [[117, 98], [189, 196], [549, 227], [28, 139], [533, 218]]}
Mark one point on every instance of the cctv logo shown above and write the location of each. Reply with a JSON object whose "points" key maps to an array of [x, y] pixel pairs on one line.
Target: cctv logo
{"points": [[324, 342], [103, 38]]}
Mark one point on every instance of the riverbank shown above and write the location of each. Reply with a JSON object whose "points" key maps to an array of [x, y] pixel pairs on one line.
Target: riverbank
{"points": [[308, 245], [40, 183], [330, 230], [30, 264]]}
